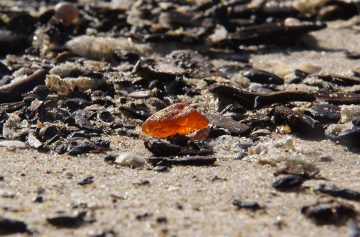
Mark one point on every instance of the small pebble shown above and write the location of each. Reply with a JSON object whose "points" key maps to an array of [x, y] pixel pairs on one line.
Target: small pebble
{"points": [[161, 219], [87, 180], [110, 158], [251, 205], [39, 199], [130, 159]]}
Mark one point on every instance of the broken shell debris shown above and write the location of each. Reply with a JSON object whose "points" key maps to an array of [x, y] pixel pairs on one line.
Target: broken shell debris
{"points": [[203, 99]]}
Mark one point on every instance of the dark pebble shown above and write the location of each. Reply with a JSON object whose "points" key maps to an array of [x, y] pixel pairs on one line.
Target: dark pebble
{"points": [[250, 205], [39, 199], [110, 158], [161, 219], [67, 220], [217, 178], [87, 180], [80, 149], [143, 216], [329, 213], [11, 226], [326, 159], [288, 182]]}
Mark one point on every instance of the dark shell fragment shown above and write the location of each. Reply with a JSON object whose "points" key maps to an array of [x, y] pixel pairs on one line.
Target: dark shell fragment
{"points": [[349, 137], [244, 98], [235, 128], [79, 145], [339, 98], [282, 97], [269, 33], [164, 148], [298, 122], [340, 80], [325, 113], [263, 77], [12, 92], [150, 74], [182, 161]]}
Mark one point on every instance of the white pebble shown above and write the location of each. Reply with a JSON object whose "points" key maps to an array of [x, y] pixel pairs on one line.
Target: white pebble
{"points": [[130, 159]]}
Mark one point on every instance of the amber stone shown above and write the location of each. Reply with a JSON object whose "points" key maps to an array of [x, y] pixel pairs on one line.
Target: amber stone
{"points": [[67, 13], [175, 119]]}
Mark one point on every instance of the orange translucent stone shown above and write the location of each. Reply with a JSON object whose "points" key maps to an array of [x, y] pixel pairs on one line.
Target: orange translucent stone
{"points": [[174, 119]]}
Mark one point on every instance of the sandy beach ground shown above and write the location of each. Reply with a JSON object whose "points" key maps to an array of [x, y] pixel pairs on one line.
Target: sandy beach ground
{"points": [[186, 201]]}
